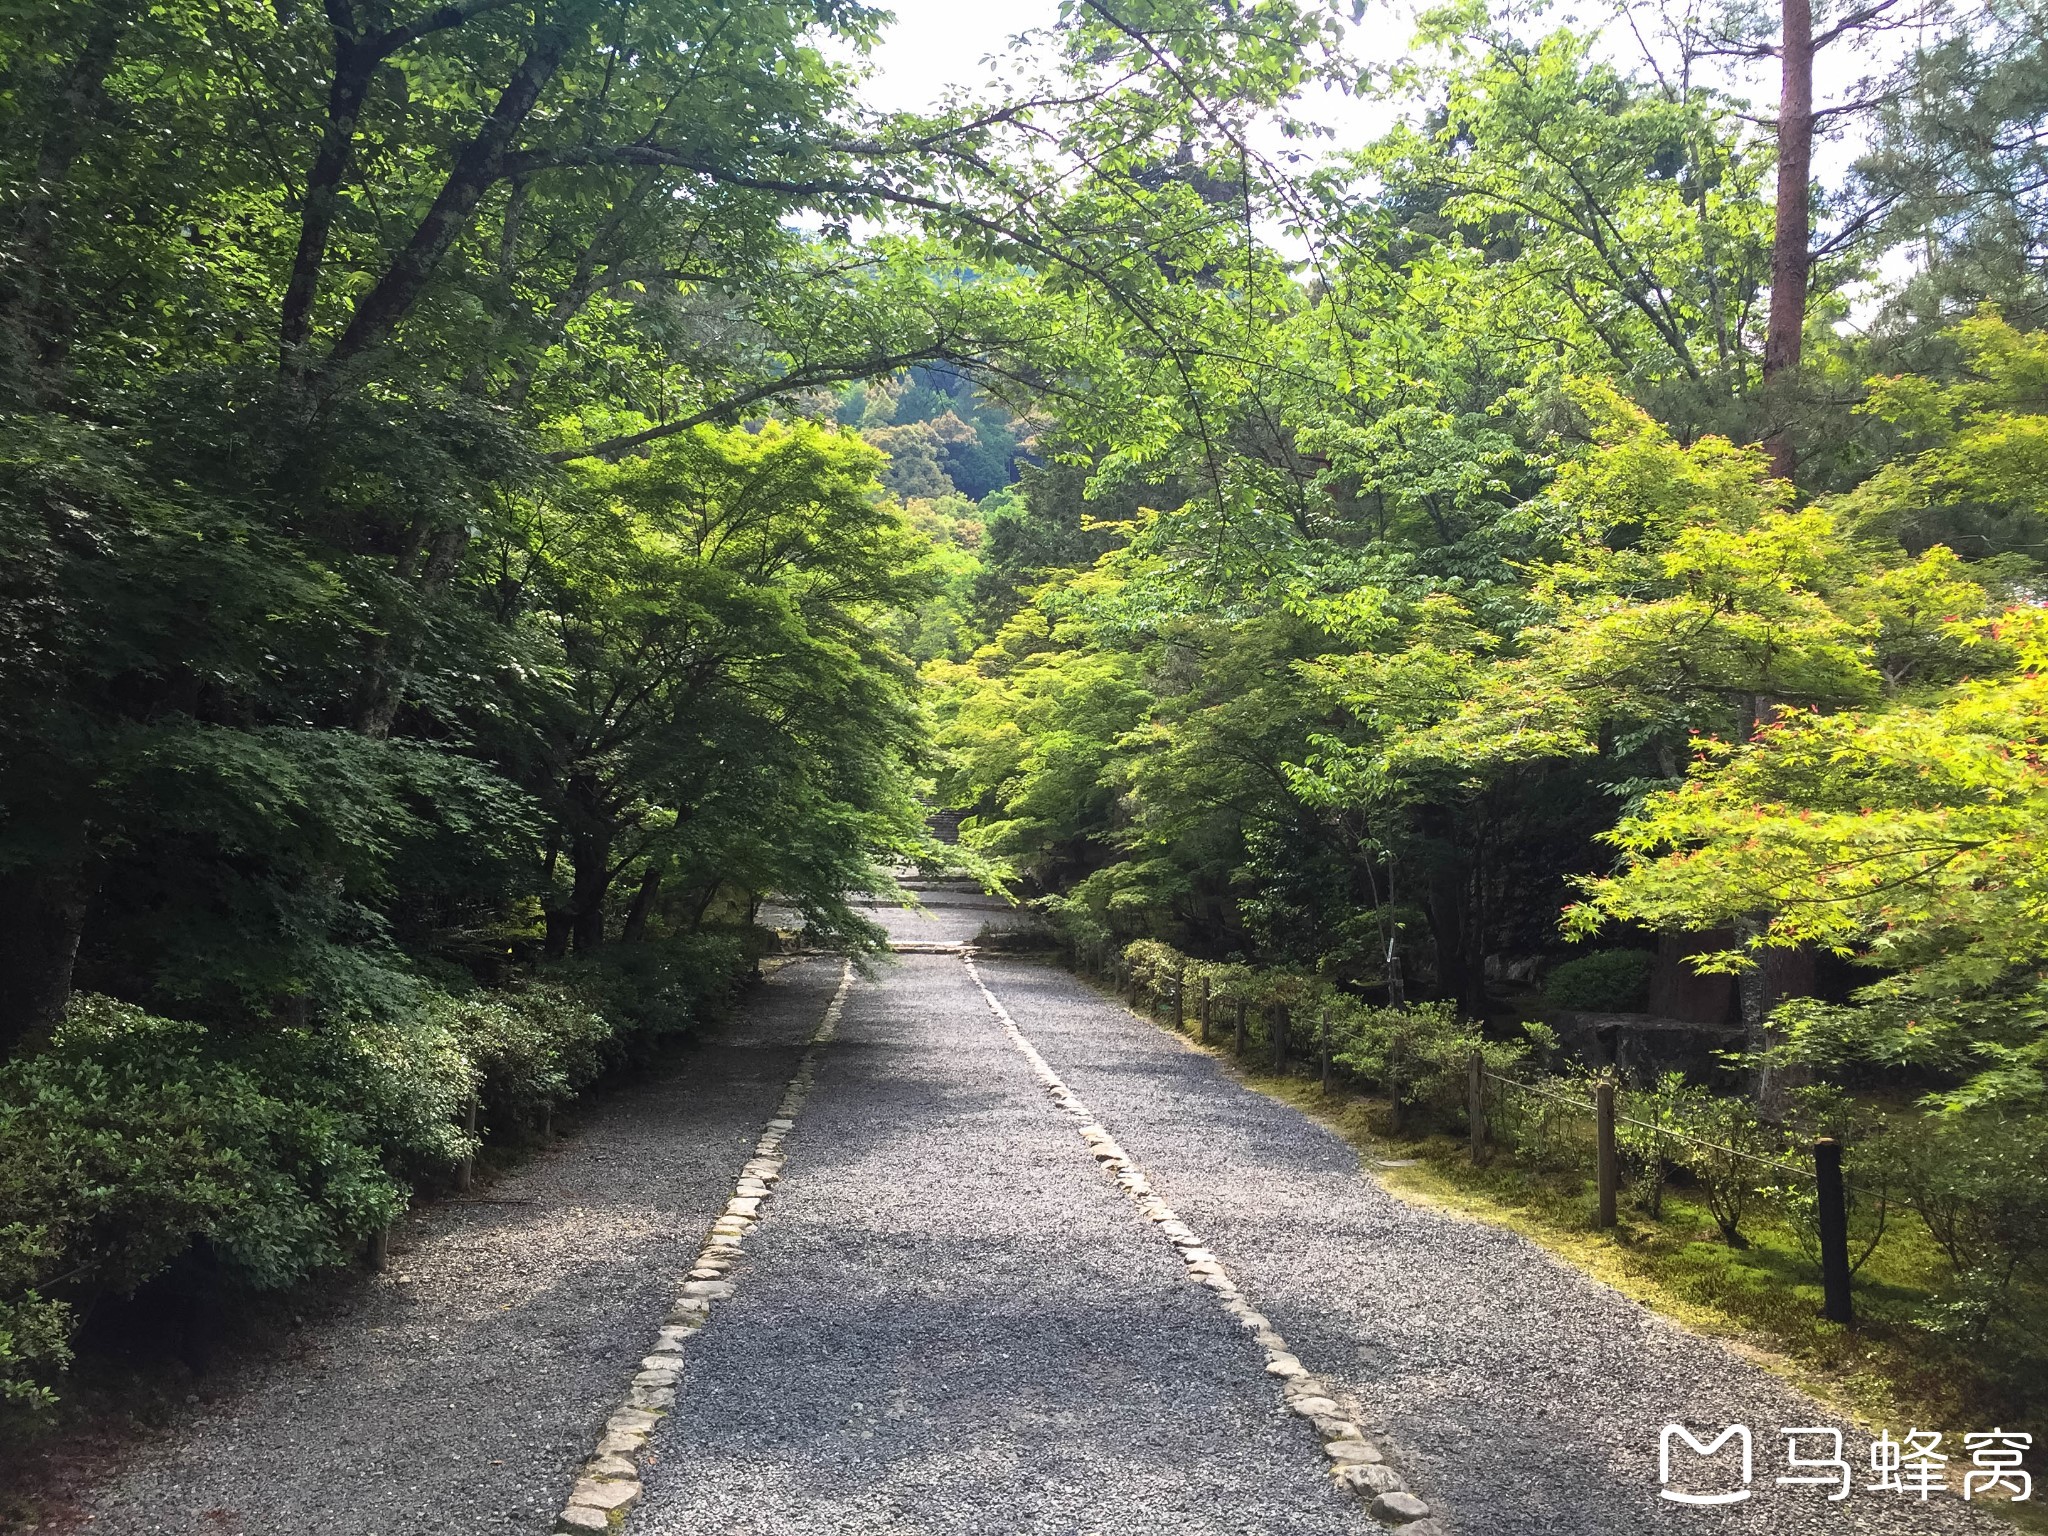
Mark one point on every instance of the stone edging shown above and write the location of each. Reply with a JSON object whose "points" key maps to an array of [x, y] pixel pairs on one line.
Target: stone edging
{"points": [[1356, 1464], [608, 1486]]}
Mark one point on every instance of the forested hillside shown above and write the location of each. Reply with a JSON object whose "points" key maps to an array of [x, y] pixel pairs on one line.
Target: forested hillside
{"points": [[491, 494]]}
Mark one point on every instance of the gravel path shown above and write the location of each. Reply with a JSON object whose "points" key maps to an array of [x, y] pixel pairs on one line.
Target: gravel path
{"points": [[1517, 1395], [459, 1391], [948, 1320]]}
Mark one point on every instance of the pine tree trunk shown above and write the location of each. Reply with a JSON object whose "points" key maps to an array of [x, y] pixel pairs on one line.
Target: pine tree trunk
{"points": [[1791, 242]]}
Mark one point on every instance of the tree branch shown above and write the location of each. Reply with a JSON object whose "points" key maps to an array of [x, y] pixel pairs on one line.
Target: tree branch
{"points": [[355, 63], [476, 168], [790, 383]]}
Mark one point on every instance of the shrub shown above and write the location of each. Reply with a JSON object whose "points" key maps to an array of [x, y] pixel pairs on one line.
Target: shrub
{"points": [[131, 1137], [1413, 1053], [533, 1047], [1643, 1117], [1727, 1138], [1608, 981], [34, 1329], [1979, 1183], [1156, 967], [661, 988]]}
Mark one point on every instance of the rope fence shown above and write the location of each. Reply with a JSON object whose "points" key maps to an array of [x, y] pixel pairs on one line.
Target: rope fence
{"points": [[1418, 1058], [1792, 1170], [1830, 1189]]}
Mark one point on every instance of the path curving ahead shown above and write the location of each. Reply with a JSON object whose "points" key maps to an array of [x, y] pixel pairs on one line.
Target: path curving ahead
{"points": [[952, 1305]]}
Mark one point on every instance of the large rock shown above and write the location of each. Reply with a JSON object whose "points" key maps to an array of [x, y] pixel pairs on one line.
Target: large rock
{"points": [[1352, 1453], [1368, 1477], [1399, 1507], [604, 1493]]}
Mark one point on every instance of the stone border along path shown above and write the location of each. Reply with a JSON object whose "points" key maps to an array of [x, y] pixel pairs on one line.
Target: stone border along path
{"points": [[1356, 1463], [609, 1484]]}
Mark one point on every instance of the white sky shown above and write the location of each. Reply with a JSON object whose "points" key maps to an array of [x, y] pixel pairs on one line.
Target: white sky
{"points": [[936, 43]]}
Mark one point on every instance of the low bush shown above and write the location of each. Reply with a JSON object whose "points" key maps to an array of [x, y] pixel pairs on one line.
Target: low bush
{"points": [[130, 1139], [1607, 981], [1418, 1055], [662, 988], [533, 1047], [1947, 1209], [1979, 1184]]}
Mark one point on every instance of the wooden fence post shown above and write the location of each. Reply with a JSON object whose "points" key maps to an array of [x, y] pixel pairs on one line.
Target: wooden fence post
{"points": [[465, 1170], [1180, 1001], [1607, 1163], [380, 1249], [1202, 1010], [1323, 1040], [1238, 1044], [1833, 1214], [1475, 1103], [1279, 1039]]}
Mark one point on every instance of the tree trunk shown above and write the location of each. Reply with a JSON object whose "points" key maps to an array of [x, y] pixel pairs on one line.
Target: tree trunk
{"points": [[588, 829], [591, 857], [1458, 979], [355, 65], [42, 915], [32, 308], [560, 926], [379, 311], [387, 664], [1791, 241], [702, 907], [643, 903], [1777, 975]]}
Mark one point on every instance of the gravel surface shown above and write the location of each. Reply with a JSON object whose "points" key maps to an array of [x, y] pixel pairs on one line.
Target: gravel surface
{"points": [[951, 1321], [457, 1392], [1517, 1395]]}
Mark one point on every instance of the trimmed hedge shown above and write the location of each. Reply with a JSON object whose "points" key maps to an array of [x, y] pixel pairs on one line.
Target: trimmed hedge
{"points": [[1607, 981], [131, 1138]]}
